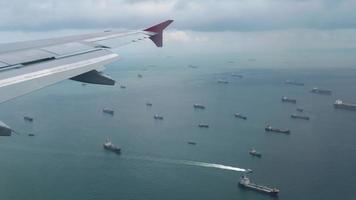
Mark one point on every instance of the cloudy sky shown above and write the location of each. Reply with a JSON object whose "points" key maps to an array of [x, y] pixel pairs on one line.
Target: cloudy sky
{"points": [[298, 32]]}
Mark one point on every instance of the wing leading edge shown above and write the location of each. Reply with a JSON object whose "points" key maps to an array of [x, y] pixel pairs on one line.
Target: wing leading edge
{"points": [[28, 66]]}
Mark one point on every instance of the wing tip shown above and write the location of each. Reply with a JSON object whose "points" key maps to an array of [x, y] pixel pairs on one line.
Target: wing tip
{"points": [[158, 29]]}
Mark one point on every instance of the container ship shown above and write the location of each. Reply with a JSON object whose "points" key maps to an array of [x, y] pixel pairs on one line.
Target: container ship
{"points": [[339, 104], [316, 90], [288, 100], [246, 183]]}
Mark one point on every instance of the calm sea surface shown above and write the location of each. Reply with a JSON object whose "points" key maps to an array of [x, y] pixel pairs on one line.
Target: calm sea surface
{"points": [[65, 159]]}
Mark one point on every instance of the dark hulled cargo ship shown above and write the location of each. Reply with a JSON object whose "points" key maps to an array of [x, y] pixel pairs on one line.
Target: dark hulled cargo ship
{"points": [[288, 100], [246, 183], [276, 130], [339, 104], [294, 116]]}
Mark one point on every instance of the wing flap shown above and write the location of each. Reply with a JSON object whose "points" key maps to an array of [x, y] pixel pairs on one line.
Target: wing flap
{"points": [[17, 82]]}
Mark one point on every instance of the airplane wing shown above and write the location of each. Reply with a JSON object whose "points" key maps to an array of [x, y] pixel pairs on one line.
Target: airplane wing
{"points": [[31, 65]]}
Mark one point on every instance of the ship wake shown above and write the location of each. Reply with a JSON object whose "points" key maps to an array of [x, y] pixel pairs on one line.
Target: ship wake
{"points": [[187, 162]]}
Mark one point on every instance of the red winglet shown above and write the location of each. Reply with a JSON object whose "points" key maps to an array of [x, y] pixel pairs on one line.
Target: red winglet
{"points": [[158, 29]]}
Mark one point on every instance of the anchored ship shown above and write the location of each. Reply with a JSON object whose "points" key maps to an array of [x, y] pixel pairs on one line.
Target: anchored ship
{"points": [[159, 117], [223, 81], [108, 111], [339, 104], [198, 106], [294, 116], [255, 153], [288, 100], [289, 82], [246, 183], [203, 125], [27, 118], [238, 115], [300, 109], [276, 130], [108, 145], [317, 90]]}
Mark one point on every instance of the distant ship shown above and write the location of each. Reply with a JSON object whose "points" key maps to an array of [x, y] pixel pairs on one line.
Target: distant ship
{"points": [[111, 147], [192, 143], [158, 117], [139, 75], [122, 86], [108, 111], [203, 125], [253, 152], [237, 75], [276, 130], [223, 81], [246, 183], [339, 104], [316, 90], [289, 82], [238, 115], [198, 106], [193, 66], [295, 116], [149, 104], [27, 118], [300, 109], [288, 100]]}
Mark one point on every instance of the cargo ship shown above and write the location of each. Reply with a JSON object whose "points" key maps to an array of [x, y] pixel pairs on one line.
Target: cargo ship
{"points": [[276, 130], [339, 104], [158, 117], [108, 111], [198, 106], [294, 116], [192, 143], [289, 82], [288, 100], [300, 109], [108, 145], [149, 104], [246, 183], [223, 81], [255, 153], [27, 118], [237, 75], [316, 90], [203, 125], [238, 115]]}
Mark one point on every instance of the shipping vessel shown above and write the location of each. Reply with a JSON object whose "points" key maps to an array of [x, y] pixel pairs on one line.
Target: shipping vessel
{"points": [[288, 100], [246, 183], [339, 104], [317, 90]]}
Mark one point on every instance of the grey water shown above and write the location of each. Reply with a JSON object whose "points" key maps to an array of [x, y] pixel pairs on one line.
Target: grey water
{"points": [[65, 158]]}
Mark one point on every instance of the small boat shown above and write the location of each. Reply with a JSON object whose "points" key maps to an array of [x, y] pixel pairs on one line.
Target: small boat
{"points": [[31, 134], [108, 145], [122, 86], [139, 75], [248, 171], [158, 117], [253, 152], [192, 143], [238, 115], [192, 66], [203, 125], [148, 104], [27, 118], [108, 111], [198, 106]]}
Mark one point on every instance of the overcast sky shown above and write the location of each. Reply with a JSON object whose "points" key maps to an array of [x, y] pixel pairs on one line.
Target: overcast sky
{"points": [[293, 29]]}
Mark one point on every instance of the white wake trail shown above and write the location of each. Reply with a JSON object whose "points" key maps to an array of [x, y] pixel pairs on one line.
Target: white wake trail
{"points": [[188, 162]]}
